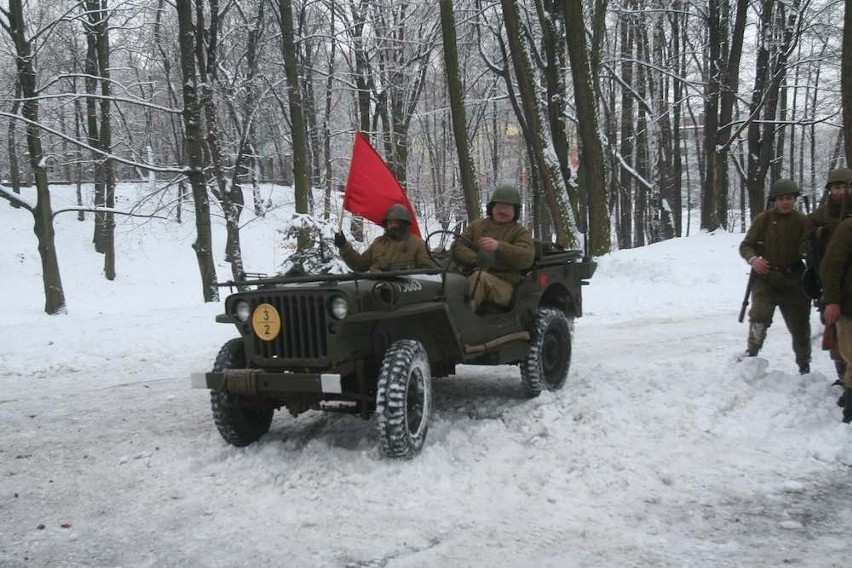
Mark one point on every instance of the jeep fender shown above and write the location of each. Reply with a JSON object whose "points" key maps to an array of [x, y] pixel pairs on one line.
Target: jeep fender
{"points": [[557, 295]]}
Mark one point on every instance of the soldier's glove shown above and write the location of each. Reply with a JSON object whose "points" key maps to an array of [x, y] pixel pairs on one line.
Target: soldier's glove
{"points": [[339, 240]]}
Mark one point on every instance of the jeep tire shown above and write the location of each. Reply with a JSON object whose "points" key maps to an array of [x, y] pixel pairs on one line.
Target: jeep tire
{"points": [[547, 364], [240, 420], [403, 399]]}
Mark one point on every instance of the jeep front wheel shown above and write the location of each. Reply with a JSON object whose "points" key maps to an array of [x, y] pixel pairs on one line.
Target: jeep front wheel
{"points": [[403, 399], [240, 420], [546, 366]]}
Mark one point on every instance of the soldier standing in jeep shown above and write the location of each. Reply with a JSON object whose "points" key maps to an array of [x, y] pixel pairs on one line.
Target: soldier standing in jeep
{"points": [[396, 249], [502, 247]]}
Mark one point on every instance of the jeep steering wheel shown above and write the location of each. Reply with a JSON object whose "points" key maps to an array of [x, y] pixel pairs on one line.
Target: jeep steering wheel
{"points": [[440, 245]]}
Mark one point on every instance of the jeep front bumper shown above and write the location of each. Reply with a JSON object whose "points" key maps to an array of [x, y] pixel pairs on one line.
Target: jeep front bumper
{"points": [[256, 381]]}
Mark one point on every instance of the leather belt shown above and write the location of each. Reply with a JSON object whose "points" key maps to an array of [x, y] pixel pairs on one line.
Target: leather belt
{"points": [[787, 269]]}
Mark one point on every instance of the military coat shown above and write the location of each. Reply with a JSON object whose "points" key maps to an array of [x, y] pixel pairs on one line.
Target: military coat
{"points": [[515, 252], [782, 236], [386, 253], [836, 268]]}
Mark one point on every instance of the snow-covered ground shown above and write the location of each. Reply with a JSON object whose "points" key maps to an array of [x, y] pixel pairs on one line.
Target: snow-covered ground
{"points": [[661, 450]]}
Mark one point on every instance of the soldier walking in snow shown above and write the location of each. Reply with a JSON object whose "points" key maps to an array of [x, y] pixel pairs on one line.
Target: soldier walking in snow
{"points": [[778, 270], [823, 222], [836, 273]]}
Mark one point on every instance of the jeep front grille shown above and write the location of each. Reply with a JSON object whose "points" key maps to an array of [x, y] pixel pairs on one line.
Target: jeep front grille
{"points": [[303, 327]]}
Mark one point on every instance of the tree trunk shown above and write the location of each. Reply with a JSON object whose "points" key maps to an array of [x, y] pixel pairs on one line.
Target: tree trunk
{"points": [[554, 50], [54, 296], [231, 200], [297, 120], [470, 187], [641, 221], [195, 152], [729, 84], [665, 141], [769, 75], [11, 144], [78, 157], [712, 88], [326, 130], [91, 84], [555, 193], [98, 24], [591, 150], [677, 118], [628, 134], [846, 80]]}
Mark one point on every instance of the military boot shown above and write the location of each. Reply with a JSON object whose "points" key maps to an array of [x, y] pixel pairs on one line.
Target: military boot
{"points": [[804, 367], [840, 367], [756, 336], [847, 407]]}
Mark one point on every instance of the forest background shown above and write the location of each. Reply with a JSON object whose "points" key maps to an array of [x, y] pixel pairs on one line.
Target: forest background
{"points": [[620, 120]]}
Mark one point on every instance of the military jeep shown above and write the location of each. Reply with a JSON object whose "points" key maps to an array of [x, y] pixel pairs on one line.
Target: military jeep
{"points": [[370, 343]]}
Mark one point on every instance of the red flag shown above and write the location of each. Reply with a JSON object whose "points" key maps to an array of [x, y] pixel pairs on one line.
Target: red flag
{"points": [[371, 187]]}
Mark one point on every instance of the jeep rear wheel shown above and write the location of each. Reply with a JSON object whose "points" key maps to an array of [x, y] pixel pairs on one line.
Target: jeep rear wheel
{"points": [[546, 366], [240, 420], [403, 399]]}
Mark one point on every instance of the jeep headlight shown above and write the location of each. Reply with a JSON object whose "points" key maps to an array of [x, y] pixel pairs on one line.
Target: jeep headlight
{"points": [[339, 307], [242, 310]]}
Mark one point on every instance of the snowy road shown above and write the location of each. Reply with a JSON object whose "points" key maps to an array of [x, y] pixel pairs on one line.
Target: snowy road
{"points": [[668, 462], [661, 450]]}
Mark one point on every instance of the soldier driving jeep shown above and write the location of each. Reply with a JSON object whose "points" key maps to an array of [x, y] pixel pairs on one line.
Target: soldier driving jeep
{"points": [[495, 249]]}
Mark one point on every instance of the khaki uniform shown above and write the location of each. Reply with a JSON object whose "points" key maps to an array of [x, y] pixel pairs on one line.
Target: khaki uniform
{"points": [[516, 251], [836, 273], [386, 253], [783, 244], [823, 221]]}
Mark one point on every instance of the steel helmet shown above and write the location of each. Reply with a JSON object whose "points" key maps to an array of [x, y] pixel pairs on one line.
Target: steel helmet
{"points": [[398, 212], [842, 175], [783, 187], [505, 194]]}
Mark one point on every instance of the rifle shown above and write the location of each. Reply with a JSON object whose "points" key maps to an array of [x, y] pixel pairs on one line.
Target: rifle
{"points": [[758, 248], [749, 284]]}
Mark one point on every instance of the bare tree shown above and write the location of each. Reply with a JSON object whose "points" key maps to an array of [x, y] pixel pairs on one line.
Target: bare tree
{"points": [[42, 212], [11, 145], [591, 150], [722, 79], [777, 33], [297, 121], [195, 151], [846, 74], [545, 169], [470, 188], [98, 67]]}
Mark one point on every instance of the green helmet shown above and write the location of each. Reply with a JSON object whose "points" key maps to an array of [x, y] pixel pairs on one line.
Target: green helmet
{"points": [[783, 187], [397, 212], [505, 194], [842, 175]]}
